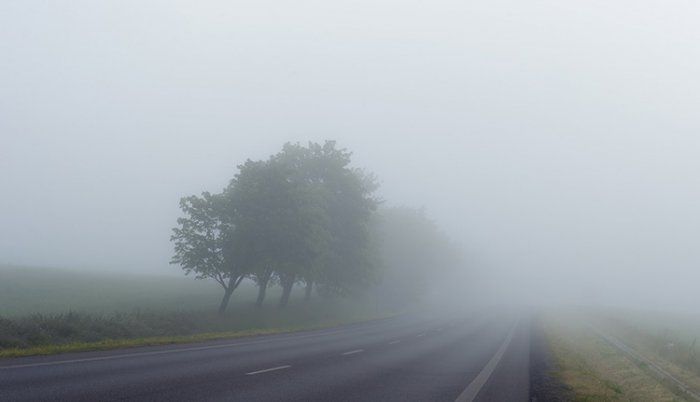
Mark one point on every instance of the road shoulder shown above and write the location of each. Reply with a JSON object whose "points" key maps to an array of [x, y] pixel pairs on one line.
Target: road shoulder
{"points": [[593, 369], [545, 385]]}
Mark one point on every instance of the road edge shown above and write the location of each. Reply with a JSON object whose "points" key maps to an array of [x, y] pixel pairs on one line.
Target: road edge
{"points": [[116, 344], [472, 391]]}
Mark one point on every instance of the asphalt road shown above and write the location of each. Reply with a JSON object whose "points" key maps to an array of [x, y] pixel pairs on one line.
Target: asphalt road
{"points": [[409, 358]]}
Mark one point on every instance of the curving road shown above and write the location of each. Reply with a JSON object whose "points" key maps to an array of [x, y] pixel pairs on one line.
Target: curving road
{"points": [[408, 358]]}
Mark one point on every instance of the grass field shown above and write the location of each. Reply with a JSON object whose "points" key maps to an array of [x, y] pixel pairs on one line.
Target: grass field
{"points": [[597, 371], [49, 311], [668, 340], [29, 290], [663, 336]]}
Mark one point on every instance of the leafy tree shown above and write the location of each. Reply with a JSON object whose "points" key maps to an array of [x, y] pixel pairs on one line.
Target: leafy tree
{"points": [[263, 277], [415, 254], [348, 262], [205, 246], [303, 215], [279, 221]]}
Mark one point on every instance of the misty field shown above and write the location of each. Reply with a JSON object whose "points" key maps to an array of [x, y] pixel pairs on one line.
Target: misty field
{"points": [[28, 290], [49, 310], [595, 369], [669, 340]]}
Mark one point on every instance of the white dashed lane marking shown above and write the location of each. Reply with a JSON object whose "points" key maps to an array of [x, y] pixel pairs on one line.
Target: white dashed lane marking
{"points": [[352, 352], [268, 370]]}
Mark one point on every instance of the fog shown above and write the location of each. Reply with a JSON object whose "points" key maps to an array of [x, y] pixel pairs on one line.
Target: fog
{"points": [[557, 143]]}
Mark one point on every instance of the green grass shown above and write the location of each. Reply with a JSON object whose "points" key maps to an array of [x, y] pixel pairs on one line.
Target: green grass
{"points": [[668, 339], [31, 290], [108, 344], [44, 311], [669, 336], [595, 371]]}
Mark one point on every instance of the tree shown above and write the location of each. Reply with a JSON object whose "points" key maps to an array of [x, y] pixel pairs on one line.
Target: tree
{"points": [[348, 262], [303, 215], [263, 278], [205, 246], [415, 254], [279, 220]]}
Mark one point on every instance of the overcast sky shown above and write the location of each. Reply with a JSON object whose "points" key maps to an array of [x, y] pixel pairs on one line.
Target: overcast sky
{"points": [[557, 141]]}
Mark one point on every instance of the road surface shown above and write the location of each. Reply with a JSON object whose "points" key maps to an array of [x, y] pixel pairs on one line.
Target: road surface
{"points": [[407, 358]]}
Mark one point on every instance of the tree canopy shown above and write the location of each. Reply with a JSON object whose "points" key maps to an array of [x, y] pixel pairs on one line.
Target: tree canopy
{"points": [[305, 215], [415, 254], [204, 243], [301, 215]]}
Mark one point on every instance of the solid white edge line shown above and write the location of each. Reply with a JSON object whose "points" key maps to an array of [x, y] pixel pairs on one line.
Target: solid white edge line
{"points": [[268, 370], [352, 352], [470, 393], [395, 342]]}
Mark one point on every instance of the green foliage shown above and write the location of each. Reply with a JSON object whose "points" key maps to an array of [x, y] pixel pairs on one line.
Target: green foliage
{"points": [[40, 330], [302, 215], [204, 243], [348, 262], [414, 254], [278, 218], [306, 215], [199, 238]]}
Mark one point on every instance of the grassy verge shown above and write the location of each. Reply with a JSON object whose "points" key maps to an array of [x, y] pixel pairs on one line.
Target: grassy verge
{"points": [[71, 332], [668, 340], [108, 311], [594, 370], [109, 344]]}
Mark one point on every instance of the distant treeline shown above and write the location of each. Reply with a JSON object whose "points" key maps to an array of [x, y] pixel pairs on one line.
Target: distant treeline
{"points": [[305, 215]]}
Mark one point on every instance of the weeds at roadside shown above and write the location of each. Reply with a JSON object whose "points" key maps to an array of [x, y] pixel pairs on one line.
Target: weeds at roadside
{"points": [[55, 333]]}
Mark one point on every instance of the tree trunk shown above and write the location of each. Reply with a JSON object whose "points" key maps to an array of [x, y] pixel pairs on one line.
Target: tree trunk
{"points": [[308, 290], [287, 283], [262, 290], [263, 279], [224, 302]]}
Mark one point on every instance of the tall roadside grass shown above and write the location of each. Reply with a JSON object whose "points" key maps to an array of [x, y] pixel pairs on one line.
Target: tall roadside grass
{"points": [[55, 333], [51, 310], [593, 370], [671, 337]]}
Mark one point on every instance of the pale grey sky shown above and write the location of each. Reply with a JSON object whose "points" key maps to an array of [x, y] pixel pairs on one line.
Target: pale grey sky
{"points": [[558, 141]]}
